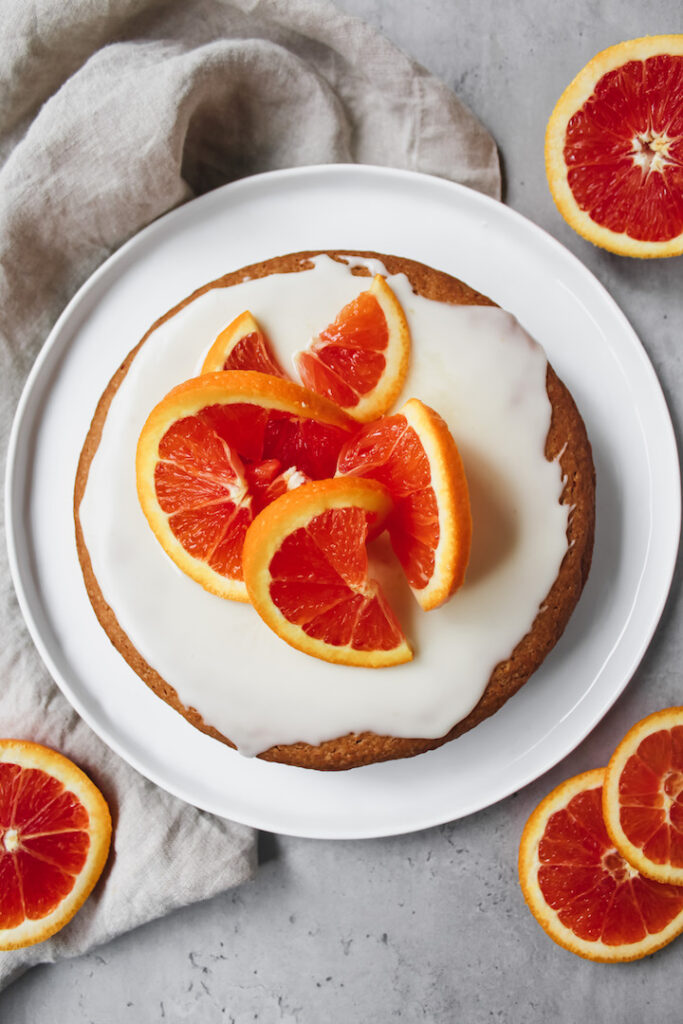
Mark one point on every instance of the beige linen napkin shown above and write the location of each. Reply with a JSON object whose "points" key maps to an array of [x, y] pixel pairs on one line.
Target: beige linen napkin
{"points": [[111, 113]]}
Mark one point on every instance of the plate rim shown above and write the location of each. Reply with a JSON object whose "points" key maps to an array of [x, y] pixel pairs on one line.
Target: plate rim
{"points": [[22, 419]]}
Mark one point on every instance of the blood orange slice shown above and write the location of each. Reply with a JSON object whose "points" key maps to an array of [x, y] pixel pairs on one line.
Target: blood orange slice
{"points": [[414, 455], [217, 449], [581, 890], [360, 360], [55, 829], [643, 796], [614, 148], [242, 346], [306, 571]]}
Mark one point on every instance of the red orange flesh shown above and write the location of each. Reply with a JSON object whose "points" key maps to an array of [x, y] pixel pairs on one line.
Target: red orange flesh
{"points": [[54, 839], [361, 359], [614, 148], [242, 345], [643, 796], [306, 572], [580, 889], [413, 454], [216, 450]]}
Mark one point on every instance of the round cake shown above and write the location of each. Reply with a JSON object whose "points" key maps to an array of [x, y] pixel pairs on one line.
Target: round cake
{"points": [[529, 465]]}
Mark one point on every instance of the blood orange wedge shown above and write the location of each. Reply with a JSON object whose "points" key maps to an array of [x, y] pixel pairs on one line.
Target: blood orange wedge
{"points": [[581, 890], [414, 455], [643, 796], [215, 450], [242, 346], [55, 829], [614, 148], [360, 360], [306, 571]]}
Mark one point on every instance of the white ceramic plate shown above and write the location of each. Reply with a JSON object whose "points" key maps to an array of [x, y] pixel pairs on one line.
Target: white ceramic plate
{"points": [[589, 343]]}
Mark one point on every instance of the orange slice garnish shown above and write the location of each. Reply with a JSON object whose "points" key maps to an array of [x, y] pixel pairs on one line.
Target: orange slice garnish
{"points": [[55, 829], [579, 887], [215, 450], [643, 796], [360, 360], [413, 454], [242, 346], [306, 572], [614, 148]]}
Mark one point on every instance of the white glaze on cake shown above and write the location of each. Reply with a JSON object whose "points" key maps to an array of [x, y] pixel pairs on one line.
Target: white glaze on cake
{"points": [[486, 377]]}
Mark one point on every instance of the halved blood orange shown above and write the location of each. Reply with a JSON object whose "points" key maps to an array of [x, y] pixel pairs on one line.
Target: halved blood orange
{"points": [[614, 148], [55, 829], [360, 360], [581, 890], [414, 455], [306, 571], [643, 796], [219, 447], [242, 346]]}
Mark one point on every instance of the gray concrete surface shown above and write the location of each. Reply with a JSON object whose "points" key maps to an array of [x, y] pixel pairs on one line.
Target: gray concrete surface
{"points": [[427, 927]]}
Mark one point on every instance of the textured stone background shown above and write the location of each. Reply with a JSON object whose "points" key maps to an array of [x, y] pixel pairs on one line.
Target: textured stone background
{"points": [[427, 927]]}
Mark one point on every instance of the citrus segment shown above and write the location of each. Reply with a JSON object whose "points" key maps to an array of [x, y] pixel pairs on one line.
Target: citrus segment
{"points": [[413, 454], [361, 359], [614, 148], [215, 451], [306, 572], [581, 890], [242, 346], [643, 796], [54, 839]]}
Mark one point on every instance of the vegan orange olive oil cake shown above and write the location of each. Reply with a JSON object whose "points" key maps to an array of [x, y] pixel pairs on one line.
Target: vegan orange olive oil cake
{"points": [[407, 500]]}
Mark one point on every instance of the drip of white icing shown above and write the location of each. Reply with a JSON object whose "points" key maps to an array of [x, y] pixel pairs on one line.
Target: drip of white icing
{"points": [[486, 377]]}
